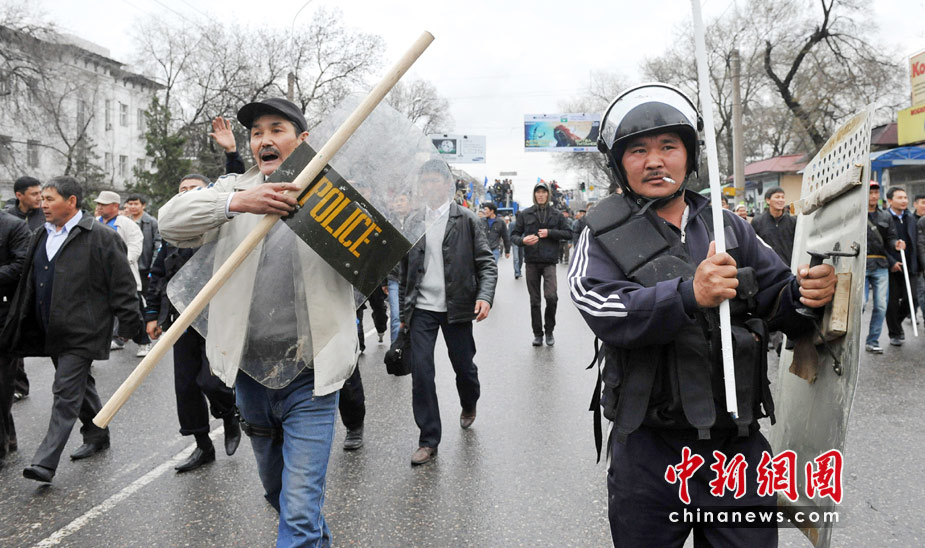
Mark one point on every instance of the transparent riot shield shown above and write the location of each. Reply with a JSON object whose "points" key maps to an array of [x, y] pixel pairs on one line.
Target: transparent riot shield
{"points": [[288, 300]]}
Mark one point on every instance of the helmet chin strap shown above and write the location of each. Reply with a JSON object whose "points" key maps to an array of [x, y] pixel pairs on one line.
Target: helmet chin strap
{"points": [[641, 201]]}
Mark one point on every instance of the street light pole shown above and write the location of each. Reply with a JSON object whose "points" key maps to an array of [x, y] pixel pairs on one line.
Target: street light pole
{"points": [[290, 79]]}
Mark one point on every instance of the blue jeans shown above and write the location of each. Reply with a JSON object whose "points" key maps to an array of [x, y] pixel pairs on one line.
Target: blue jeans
{"points": [[497, 253], [518, 259], [878, 279], [394, 309], [292, 472]]}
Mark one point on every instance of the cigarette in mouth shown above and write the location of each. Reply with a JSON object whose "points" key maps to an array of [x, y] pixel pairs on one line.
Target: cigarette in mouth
{"points": [[669, 180]]}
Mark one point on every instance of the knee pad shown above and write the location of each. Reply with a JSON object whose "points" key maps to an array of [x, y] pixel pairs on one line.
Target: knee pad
{"points": [[252, 430]]}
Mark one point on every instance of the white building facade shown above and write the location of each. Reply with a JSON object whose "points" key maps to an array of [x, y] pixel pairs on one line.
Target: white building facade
{"points": [[67, 107]]}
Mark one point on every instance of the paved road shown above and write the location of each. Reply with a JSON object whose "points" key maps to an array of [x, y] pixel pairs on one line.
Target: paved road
{"points": [[524, 475]]}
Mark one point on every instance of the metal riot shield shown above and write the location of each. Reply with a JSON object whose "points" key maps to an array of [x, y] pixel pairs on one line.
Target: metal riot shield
{"points": [[817, 378], [356, 221]]}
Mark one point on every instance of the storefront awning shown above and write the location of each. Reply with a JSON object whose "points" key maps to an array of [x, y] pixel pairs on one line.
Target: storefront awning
{"points": [[901, 156]]}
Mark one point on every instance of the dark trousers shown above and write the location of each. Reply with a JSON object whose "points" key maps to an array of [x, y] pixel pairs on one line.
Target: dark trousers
{"points": [[20, 380], [196, 388], [897, 307], [352, 404], [75, 396], [461, 348], [376, 302], [641, 501], [7, 428], [546, 272], [142, 336]]}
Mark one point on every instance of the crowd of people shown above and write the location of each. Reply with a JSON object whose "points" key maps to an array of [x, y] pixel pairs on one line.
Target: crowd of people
{"points": [[642, 271]]}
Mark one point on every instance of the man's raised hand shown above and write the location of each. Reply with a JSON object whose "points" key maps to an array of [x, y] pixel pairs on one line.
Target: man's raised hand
{"points": [[221, 132]]}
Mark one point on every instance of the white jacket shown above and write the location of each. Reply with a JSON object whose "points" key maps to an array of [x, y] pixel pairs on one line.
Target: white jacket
{"points": [[198, 217], [134, 240]]}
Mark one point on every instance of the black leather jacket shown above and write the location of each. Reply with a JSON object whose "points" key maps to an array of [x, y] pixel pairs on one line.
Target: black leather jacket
{"points": [[469, 268], [14, 245], [881, 245], [168, 262]]}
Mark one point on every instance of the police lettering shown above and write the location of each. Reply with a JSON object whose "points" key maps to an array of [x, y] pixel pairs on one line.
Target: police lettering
{"points": [[327, 212]]}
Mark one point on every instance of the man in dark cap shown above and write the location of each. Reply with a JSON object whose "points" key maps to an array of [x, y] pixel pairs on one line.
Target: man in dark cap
{"points": [[290, 353]]}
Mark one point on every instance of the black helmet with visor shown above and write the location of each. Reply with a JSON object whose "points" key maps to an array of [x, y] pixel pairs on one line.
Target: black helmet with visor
{"points": [[645, 109]]}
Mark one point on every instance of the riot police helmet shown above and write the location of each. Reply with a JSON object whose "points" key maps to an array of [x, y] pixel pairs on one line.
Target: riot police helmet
{"points": [[647, 109]]}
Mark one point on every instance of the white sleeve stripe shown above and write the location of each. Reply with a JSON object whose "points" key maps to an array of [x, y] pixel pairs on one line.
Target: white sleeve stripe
{"points": [[586, 300]]}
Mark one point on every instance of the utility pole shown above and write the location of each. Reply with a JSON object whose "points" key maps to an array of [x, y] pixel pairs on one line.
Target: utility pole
{"points": [[738, 156]]}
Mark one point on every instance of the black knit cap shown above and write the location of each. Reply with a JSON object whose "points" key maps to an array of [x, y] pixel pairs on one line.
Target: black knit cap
{"points": [[273, 105]]}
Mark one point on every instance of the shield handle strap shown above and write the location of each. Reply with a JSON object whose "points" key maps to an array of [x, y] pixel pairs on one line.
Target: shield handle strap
{"points": [[311, 171]]}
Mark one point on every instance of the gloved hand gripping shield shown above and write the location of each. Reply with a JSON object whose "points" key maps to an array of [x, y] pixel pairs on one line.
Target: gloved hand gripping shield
{"points": [[282, 308]]}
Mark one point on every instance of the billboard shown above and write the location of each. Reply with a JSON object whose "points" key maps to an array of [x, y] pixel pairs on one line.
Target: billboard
{"points": [[911, 125], [561, 132], [460, 149], [917, 75]]}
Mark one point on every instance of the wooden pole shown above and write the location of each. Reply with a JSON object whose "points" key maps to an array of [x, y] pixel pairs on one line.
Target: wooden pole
{"points": [[738, 154], [314, 167], [719, 232]]}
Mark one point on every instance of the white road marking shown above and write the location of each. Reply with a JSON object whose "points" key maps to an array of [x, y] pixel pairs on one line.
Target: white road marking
{"points": [[125, 493]]}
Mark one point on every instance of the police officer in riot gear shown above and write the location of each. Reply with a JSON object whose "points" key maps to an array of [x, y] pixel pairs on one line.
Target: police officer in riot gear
{"points": [[647, 280]]}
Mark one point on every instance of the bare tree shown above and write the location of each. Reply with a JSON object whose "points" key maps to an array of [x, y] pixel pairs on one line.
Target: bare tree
{"points": [[801, 74], [45, 87], [423, 105], [823, 62], [211, 69]]}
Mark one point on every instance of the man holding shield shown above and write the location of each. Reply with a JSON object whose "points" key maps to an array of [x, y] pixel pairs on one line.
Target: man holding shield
{"points": [[282, 330], [647, 280]]}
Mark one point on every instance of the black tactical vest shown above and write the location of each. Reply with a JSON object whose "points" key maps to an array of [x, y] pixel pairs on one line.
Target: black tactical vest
{"points": [[678, 386]]}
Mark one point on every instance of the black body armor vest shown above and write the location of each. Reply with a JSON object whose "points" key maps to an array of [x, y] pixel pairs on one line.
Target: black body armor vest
{"points": [[678, 386]]}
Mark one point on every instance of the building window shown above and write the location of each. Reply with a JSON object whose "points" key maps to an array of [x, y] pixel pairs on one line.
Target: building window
{"points": [[139, 166], [6, 149], [123, 165], [123, 115], [108, 114], [32, 153], [81, 114], [141, 120]]}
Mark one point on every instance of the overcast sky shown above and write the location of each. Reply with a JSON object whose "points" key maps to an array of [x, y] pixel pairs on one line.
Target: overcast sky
{"points": [[494, 60]]}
